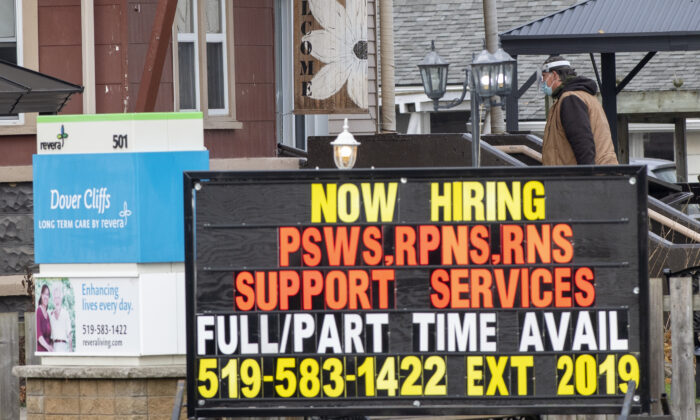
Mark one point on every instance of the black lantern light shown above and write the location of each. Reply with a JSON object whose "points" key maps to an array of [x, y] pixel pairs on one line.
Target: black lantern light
{"points": [[433, 72], [493, 73]]}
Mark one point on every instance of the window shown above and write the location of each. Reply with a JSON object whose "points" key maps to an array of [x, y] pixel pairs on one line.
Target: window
{"points": [[204, 63], [10, 44], [188, 70], [8, 31]]}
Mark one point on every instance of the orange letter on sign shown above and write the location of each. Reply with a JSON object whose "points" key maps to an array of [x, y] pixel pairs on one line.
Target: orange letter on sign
{"points": [[512, 244], [245, 295], [429, 240], [270, 303], [441, 291], [370, 238], [340, 245], [289, 286], [312, 285], [457, 288], [405, 238], [383, 277], [289, 244], [585, 294], [539, 244], [455, 244], [560, 235], [358, 283], [506, 294], [478, 237], [539, 276], [562, 283], [481, 282], [336, 290], [312, 252]]}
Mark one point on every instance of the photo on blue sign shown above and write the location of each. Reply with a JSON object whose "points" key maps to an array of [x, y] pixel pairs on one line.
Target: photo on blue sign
{"points": [[55, 316]]}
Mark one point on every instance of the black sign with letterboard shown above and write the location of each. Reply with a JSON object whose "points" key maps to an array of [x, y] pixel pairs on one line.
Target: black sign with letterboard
{"points": [[407, 292]]}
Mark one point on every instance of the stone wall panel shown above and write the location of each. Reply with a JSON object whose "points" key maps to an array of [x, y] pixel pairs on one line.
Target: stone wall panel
{"points": [[14, 259], [16, 229], [16, 198]]}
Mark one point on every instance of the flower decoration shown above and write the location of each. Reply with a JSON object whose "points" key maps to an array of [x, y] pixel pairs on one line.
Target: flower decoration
{"points": [[342, 46]]}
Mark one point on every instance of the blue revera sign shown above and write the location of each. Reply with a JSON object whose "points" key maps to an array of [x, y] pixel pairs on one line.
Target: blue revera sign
{"points": [[111, 208]]}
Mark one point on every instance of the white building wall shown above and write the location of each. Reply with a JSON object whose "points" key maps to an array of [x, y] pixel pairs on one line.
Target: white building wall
{"points": [[693, 150]]}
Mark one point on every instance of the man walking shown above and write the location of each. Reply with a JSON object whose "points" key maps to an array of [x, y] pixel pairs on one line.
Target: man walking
{"points": [[577, 131]]}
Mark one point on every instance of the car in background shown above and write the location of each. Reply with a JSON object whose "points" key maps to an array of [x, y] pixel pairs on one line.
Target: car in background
{"points": [[662, 179], [662, 169]]}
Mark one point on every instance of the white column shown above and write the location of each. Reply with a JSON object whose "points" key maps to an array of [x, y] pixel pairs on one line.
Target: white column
{"points": [[419, 123], [87, 27], [636, 145]]}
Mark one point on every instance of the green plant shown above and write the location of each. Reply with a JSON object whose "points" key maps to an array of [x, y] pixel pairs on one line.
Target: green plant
{"points": [[28, 284]]}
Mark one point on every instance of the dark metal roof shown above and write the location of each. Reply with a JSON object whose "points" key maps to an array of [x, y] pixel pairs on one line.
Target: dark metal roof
{"points": [[610, 26], [24, 90]]}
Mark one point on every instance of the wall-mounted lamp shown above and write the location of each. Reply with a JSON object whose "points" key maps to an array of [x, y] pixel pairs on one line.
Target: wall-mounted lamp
{"points": [[433, 74], [345, 149]]}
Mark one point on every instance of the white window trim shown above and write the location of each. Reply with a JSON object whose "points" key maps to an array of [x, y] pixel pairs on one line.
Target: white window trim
{"points": [[87, 29], [191, 38], [221, 38], [215, 118]]}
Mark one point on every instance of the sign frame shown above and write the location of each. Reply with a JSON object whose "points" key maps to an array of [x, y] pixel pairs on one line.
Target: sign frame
{"points": [[636, 175]]}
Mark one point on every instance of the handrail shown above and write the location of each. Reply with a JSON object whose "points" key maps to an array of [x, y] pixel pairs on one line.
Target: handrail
{"points": [[673, 225], [512, 149]]}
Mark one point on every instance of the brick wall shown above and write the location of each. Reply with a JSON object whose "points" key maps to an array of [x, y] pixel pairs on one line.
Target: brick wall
{"points": [[108, 399]]}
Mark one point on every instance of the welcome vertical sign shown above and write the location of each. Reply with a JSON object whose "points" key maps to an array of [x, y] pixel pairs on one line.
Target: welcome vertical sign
{"points": [[330, 56]]}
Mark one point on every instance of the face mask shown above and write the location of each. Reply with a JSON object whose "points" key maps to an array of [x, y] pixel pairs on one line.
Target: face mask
{"points": [[546, 89]]}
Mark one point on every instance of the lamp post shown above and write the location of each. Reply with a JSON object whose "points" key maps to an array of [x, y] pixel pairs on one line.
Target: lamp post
{"points": [[345, 149], [492, 75]]}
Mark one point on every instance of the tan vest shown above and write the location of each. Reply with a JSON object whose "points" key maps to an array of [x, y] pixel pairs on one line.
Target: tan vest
{"points": [[556, 149]]}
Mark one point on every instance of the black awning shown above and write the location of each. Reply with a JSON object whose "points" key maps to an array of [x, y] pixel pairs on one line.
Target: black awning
{"points": [[609, 26], [24, 90]]}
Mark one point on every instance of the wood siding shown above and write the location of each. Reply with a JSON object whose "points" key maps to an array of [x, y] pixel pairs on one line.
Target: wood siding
{"points": [[255, 85], [60, 53], [110, 55], [17, 150]]}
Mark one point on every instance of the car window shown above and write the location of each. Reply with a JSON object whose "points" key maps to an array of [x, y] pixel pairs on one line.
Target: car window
{"points": [[665, 174]]}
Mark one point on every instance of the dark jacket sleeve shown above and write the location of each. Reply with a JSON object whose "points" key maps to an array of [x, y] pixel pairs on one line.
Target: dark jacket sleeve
{"points": [[577, 125]]}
